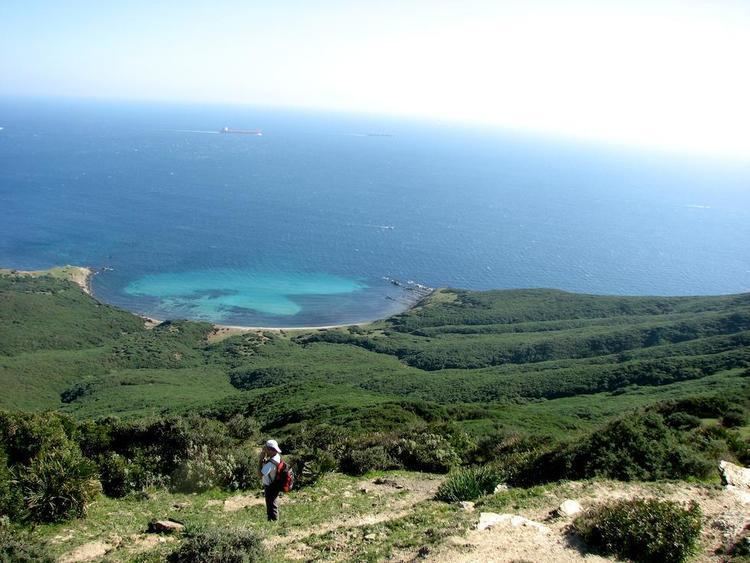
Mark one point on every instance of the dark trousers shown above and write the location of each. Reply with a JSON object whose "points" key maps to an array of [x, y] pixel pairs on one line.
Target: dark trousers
{"points": [[272, 501]]}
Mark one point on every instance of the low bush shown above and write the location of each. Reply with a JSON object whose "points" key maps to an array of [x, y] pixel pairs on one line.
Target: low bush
{"points": [[360, 461], [11, 502], [682, 421], [244, 428], [309, 467], [322, 437], [25, 435], [702, 407], [203, 470], [121, 476], [644, 530], [638, 447], [499, 445], [18, 547], [244, 471], [740, 447], [220, 546], [734, 418], [114, 475], [58, 485], [426, 452], [511, 453], [76, 391], [254, 378], [469, 484]]}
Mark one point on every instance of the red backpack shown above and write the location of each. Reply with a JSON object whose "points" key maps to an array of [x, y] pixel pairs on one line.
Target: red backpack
{"points": [[284, 477]]}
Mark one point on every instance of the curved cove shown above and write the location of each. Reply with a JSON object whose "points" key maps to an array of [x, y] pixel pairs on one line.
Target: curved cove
{"points": [[247, 297]]}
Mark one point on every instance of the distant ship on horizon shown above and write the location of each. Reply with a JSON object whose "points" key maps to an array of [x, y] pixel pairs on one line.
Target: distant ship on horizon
{"points": [[256, 132]]}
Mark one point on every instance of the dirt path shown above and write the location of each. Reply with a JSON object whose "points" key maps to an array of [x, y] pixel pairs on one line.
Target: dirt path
{"points": [[405, 493]]}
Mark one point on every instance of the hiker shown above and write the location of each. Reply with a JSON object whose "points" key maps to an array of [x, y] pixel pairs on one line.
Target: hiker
{"points": [[268, 463]]}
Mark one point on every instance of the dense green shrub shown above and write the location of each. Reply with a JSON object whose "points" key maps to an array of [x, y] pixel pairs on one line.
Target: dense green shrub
{"points": [[638, 447], [469, 484], [316, 450], [682, 421], [203, 470], [187, 454], [114, 475], [243, 378], [646, 530], [176, 439], [511, 453], [159, 446], [425, 452], [309, 467], [740, 447], [25, 435], [58, 485], [374, 458], [76, 391], [430, 448], [11, 501], [244, 428], [244, 470], [44, 477], [702, 407], [121, 476], [322, 437], [220, 546], [95, 436], [19, 547], [734, 418]]}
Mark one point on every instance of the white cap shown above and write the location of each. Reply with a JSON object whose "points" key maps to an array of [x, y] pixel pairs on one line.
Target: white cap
{"points": [[273, 444]]}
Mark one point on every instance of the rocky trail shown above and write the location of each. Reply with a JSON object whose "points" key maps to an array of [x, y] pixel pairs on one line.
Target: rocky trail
{"points": [[540, 533], [395, 518]]}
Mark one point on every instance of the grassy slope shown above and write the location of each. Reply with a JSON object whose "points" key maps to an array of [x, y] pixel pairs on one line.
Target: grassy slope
{"points": [[336, 502], [536, 359]]}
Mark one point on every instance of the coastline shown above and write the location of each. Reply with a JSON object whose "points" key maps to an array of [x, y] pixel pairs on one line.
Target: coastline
{"points": [[79, 275], [82, 276]]}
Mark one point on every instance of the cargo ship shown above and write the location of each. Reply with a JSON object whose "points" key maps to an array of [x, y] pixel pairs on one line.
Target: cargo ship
{"points": [[256, 132]]}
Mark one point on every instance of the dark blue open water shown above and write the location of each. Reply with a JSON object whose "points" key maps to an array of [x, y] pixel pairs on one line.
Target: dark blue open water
{"points": [[300, 226]]}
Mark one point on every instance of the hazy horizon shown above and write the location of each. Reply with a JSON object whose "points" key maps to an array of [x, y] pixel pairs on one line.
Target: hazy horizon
{"points": [[652, 74]]}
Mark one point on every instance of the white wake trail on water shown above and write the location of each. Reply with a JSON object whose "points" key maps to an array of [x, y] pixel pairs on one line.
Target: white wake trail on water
{"points": [[195, 131]]}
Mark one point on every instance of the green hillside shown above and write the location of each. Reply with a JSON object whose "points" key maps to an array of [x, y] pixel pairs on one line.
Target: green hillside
{"points": [[514, 357]]}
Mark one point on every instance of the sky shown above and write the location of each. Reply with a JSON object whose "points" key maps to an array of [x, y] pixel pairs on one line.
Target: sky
{"points": [[670, 74]]}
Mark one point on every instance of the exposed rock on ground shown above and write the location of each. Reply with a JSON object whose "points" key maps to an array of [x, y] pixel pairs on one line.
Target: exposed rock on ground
{"points": [[88, 552], [734, 475], [165, 527], [568, 508]]}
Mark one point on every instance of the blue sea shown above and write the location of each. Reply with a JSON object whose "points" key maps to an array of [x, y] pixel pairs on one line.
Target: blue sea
{"points": [[307, 224]]}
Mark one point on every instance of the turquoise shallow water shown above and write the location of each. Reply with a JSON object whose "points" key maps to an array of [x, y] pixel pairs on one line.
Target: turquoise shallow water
{"points": [[216, 295], [302, 226]]}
